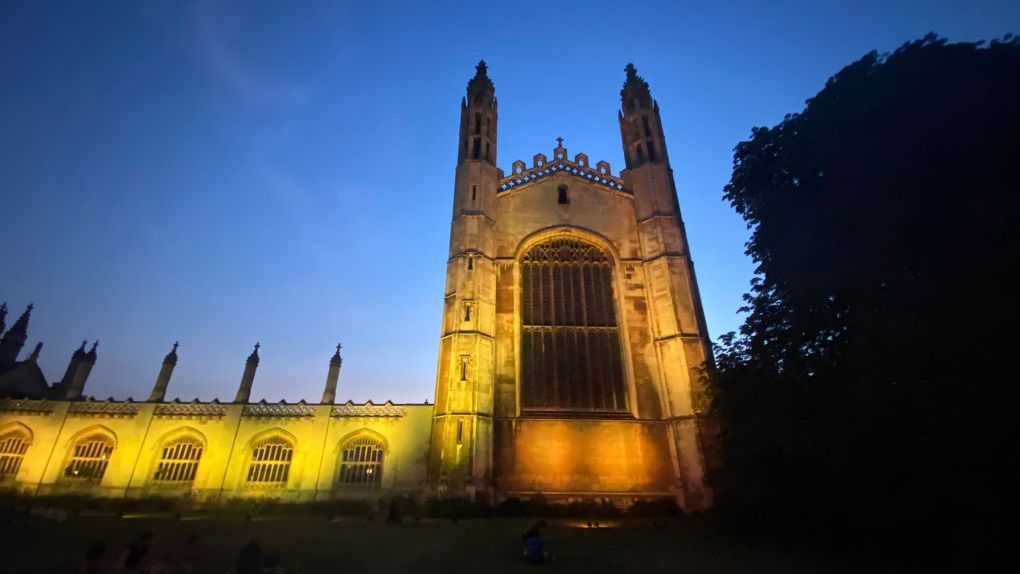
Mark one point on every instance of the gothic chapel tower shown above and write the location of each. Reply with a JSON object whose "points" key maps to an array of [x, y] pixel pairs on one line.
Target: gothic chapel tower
{"points": [[462, 428], [572, 328]]}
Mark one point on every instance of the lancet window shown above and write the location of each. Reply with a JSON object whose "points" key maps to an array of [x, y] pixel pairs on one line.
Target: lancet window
{"points": [[13, 446], [570, 340], [361, 462], [178, 462], [270, 462], [89, 458]]}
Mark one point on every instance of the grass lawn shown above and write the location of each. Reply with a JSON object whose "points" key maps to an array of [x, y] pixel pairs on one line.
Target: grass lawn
{"points": [[309, 545]]}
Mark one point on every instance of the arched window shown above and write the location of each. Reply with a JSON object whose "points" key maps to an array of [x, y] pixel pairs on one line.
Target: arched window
{"points": [[570, 341], [270, 462], [361, 462], [13, 446], [178, 461], [89, 458]]}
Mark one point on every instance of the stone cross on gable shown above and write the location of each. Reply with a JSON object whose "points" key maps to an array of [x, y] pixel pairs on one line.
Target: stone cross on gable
{"points": [[559, 142]]}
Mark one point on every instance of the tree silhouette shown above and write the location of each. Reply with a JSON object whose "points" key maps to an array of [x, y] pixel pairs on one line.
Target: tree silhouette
{"points": [[869, 392]]}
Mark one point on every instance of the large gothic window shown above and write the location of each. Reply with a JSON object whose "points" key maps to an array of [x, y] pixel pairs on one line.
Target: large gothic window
{"points": [[13, 446], [270, 463], [178, 462], [570, 341], [361, 462], [89, 458]]}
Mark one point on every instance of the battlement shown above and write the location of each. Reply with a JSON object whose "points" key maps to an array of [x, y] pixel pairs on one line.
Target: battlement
{"points": [[580, 166]]}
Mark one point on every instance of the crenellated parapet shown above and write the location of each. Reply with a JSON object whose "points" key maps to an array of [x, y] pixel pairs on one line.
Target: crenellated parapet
{"points": [[193, 410], [281, 409], [107, 408], [580, 166], [27, 406], [350, 409]]}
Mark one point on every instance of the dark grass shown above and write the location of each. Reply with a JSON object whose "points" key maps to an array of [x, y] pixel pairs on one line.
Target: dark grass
{"points": [[356, 544]]}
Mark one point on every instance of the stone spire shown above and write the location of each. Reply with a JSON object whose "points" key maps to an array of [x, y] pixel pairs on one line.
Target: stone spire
{"points": [[163, 379], [3, 317], [635, 93], [14, 339], [478, 119], [244, 391], [329, 394], [72, 365], [35, 352], [81, 374], [481, 85], [640, 125]]}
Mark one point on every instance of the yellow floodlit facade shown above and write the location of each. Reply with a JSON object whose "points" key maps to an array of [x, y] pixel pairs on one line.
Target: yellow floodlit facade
{"points": [[214, 451], [570, 357]]}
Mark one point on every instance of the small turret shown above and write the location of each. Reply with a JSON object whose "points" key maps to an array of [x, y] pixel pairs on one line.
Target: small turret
{"points": [[244, 391], [3, 317], [14, 339], [332, 377], [81, 374], [72, 366], [163, 379], [640, 126], [34, 357], [478, 119]]}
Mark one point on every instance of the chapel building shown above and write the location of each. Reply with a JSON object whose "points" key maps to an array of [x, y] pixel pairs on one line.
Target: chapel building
{"points": [[573, 335], [571, 362]]}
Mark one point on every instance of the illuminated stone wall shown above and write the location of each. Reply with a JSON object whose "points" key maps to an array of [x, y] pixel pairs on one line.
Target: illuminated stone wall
{"points": [[227, 433], [595, 458]]}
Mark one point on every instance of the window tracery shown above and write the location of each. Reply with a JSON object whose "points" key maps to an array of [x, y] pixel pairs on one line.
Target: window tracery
{"points": [[178, 461], [13, 446], [270, 462], [361, 462], [89, 458], [570, 341]]}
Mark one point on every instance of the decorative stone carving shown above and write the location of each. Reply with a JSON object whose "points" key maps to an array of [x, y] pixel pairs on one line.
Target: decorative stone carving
{"points": [[278, 410], [349, 409], [190, 410], [27, 406], [107, 408], [600, 175]]}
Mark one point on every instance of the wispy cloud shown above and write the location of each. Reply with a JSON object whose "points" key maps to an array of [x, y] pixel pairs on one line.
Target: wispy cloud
{"points": [[217, 54]]}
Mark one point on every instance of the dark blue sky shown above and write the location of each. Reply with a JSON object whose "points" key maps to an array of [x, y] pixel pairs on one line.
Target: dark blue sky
{"points": [[226, 172]]}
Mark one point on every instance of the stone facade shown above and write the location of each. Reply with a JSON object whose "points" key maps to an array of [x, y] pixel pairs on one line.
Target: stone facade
{"points": [[52, 443], [503, 424], [226, 434], [569, 365]]}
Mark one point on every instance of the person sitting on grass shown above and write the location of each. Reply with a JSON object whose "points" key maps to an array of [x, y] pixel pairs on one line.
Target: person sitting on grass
{"points": [[534, 546]]}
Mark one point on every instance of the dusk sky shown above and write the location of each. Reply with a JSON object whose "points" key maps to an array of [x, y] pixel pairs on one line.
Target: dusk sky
{"points": [[222, 173]]}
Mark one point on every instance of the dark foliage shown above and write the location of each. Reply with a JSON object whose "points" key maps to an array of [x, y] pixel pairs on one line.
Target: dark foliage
{"points": [[868, 397], [456, 508], [662, 507], [512, 507]]}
